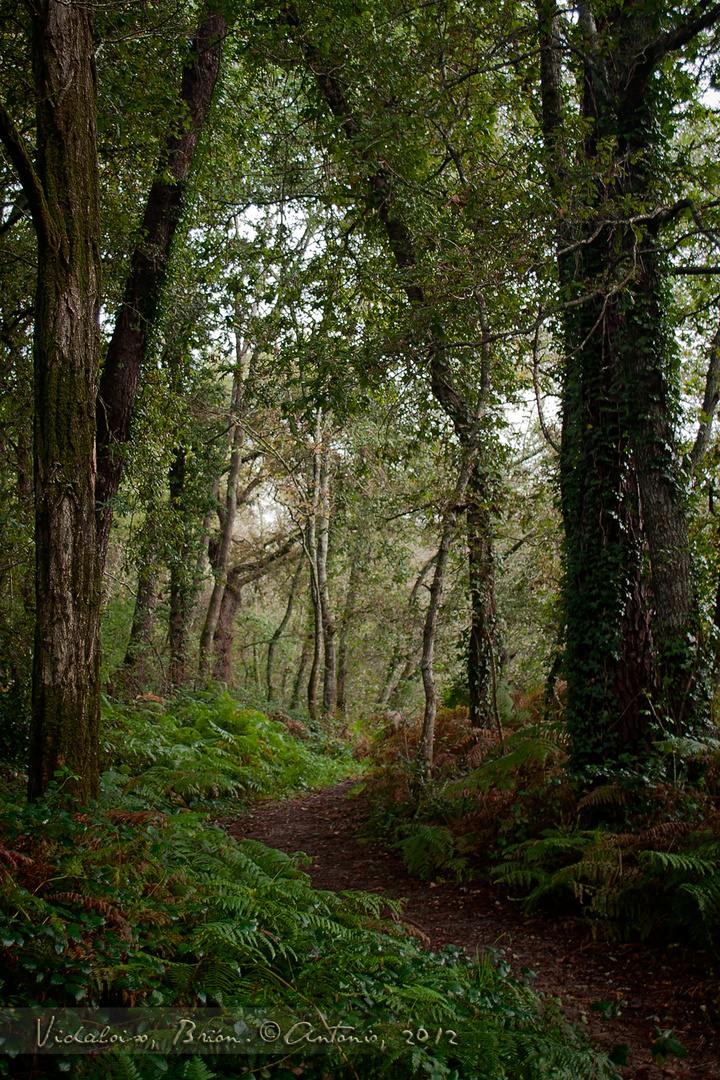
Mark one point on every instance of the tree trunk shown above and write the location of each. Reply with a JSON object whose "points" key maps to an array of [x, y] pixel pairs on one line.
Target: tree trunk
{"points": [[134, 667], [63, 194], [356, 571], [148, 270], [305, 654], [427, 663], [483, 626], [425, 747], [222, 555], [239, 576], [180, 585], [328, 622], [642, 360], [224, 636], [396, 692], [631, 643], [311, 550], [281, 629]]}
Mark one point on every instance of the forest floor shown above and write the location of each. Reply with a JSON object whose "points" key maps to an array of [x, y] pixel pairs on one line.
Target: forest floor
{"points": [[647, 987]]}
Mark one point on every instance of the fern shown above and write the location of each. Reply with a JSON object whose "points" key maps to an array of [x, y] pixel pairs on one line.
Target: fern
{"points": [[124, 1068], [523, 750], [197, 1070], [184, 914], [196, 750], [431, 848]]}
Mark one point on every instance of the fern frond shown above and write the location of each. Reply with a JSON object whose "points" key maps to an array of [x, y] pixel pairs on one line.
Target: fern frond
{"points": [[607, 793]]}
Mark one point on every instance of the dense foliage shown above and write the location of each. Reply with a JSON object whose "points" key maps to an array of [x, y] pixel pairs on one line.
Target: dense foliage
{"points": [[637, 857], [123, 904], [361, 359]]}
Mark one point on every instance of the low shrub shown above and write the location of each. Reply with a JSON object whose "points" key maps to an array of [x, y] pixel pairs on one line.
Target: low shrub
{"points": [[109, 906], [202, 748]]}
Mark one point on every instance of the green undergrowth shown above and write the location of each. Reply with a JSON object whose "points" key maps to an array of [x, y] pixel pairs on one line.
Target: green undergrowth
{"points": [[141, 901], [204, 749], [119, 907], [637, 852]]}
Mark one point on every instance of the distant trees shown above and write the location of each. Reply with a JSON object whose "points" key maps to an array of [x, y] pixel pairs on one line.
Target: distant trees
{"points": [[343, 278]]}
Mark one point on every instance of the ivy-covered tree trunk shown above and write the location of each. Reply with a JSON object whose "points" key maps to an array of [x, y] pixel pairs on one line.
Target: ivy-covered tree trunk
{"points": [[628, 592], [646, 359], [63, 195], [608, 660]]}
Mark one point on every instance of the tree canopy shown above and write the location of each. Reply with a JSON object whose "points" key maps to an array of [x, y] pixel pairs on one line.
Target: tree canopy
{"points": [[281, 287]]}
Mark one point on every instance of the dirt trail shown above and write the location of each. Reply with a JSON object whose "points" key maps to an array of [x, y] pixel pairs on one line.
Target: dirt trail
{"points": [[649, 989]]}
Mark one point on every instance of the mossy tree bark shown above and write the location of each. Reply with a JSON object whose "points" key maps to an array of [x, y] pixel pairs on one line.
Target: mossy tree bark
{"points": [[63, 194]]}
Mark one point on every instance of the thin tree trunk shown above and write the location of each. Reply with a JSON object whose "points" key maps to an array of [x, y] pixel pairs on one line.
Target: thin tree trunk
{"points": [[222, 555], [709, 405], [407, 675], [425, 747], [482, 603], [179, 584], [328, 622], [134, 666], [393, 673], [63, 195], [356, 572], [399, 668], [239, 576], [307, 645], [311, 550], [481, 568], [281, 629], [224, 636], [427, 663], [203, 559], [148, 270], [398, 678]]}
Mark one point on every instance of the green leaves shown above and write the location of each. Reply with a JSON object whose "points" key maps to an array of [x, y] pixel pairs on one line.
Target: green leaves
{"points": [[247, 928]]}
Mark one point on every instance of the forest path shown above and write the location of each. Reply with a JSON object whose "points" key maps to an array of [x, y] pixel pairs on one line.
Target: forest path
{"points": [[648, 987]]}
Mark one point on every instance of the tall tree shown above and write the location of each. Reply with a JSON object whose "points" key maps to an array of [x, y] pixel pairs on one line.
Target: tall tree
{"points": [[136, 319], [377, 188], [632, 639], [62, 190]]}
